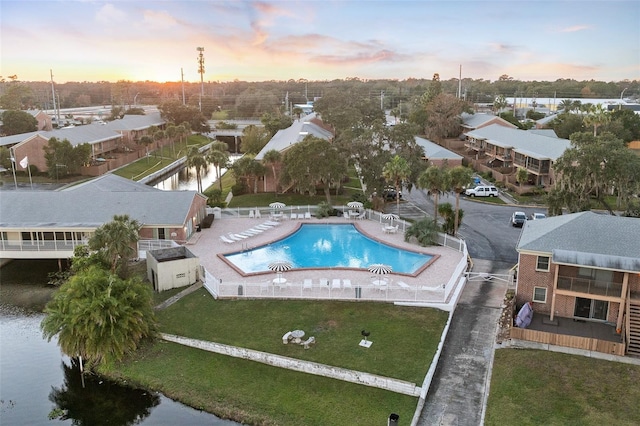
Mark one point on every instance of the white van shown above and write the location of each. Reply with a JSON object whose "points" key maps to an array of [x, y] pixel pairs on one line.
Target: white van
{"points": [[482, 191]]}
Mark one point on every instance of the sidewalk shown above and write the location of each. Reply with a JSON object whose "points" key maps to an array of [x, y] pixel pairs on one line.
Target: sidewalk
{"points": [[460, 385]]}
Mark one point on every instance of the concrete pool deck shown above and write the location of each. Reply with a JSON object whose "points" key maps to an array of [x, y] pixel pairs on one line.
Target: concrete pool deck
{"points": [[433, 285]]}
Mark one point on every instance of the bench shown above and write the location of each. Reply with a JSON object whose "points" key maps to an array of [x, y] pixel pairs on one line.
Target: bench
{"points": [[287, 336], [308, 342]]}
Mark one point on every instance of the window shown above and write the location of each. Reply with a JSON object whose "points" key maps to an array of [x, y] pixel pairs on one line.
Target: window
{"points": [[540, 294], [543, 263]]}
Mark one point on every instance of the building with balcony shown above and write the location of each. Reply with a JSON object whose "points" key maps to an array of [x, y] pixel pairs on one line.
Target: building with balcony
{"points": [[507, 148], [582, 270], [50, 224]]}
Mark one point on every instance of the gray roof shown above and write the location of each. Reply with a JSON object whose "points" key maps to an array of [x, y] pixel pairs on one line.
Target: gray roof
{"points": [[293, 134], [91, 133], [473, 121], [531, 144], [586, 238], [93, 204], [433, 151]]}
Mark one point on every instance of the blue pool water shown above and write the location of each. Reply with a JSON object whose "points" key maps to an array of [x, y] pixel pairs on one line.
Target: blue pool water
{"points": [[328, 246]]}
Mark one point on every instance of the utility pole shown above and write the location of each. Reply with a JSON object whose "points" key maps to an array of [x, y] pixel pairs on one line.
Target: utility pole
{"points": [[182, 79], [201, 71], [382, 100], [460, 83], [53, 93]]}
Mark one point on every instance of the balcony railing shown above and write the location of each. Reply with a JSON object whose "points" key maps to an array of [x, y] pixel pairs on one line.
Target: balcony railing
{"points": [[587, 286], [69, 245]]}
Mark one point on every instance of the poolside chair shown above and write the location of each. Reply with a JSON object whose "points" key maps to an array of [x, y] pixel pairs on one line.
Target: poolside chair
{"points": [[403, 285], [346, 215], [335, 284], [258, 215], [300, 216], [346, 284], [236, 237], [324, 282], [307, 215], [294, 216], [307, 284], [226, 240], [251, 214], [362, 216]]}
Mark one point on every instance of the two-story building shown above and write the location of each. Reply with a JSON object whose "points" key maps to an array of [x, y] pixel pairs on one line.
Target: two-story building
{"points": [[582, 270]]}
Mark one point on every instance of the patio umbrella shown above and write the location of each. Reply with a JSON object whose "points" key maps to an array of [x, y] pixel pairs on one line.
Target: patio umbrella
{"points": [[379, 269], [355, 205], [390, 216], [280, 266], [277, 205]]}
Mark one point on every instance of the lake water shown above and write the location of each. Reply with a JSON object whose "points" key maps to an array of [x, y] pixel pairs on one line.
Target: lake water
{"points": [[37, 380]]}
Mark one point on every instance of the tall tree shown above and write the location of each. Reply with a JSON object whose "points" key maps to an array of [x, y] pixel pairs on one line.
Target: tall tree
{"points": [[591, 168], [273, 158], [116, 241], [596, 117], [396, 172], [435, 180], [218, 155], [311, 163], [444, 117], [197, 160], [100, 316], [460, 177], [249, 170], [62, 158], [16, 122], [254, 138]]}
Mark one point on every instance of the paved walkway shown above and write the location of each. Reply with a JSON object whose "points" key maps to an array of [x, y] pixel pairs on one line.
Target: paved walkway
{"points": [[460, 385]]}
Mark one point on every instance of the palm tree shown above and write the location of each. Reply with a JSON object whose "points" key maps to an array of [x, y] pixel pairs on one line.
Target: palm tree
{"points": [[146, 140], [197, 160], [597, 117], [395, 172], [172, 132], [219, 157], [273, 157], [100, 316], [435, 180], [158, 135], [460, 177], [116, 240]]}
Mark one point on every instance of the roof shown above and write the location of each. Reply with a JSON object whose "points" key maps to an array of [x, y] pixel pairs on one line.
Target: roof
{"points": [[293, 134], [91, 133], [586, 239], [433, 151], [473, 121], [93, 204], [532, 144]]}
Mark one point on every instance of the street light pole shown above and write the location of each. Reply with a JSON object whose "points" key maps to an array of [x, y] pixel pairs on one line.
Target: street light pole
{"points": [[201, 71], [620, 105]]}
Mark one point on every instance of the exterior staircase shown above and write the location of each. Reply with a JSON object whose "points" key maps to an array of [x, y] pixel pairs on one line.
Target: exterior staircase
{"points": [[633, 328]]}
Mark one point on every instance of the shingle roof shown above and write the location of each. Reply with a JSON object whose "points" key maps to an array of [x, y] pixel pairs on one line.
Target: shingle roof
{"points": [[93, 204], [585, 238], [293, 134], [473, 121], [532, 144], [433, 151]]}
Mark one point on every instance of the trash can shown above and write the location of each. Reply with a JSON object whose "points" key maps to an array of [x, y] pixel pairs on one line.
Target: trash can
{"points": [[240, 290], [393, 419], [358, 292]]}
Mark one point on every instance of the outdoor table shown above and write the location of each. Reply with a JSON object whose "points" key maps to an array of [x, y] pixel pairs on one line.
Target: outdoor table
{"points": [[297, 336], [279, 280], [354, 213], [389, 229]]}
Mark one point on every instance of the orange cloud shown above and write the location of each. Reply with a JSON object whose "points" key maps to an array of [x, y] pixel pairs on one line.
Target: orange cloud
{"points": [[575, 28]]}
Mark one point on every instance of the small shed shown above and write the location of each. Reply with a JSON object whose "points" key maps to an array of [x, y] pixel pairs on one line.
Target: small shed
{"points": [[172, 268]]}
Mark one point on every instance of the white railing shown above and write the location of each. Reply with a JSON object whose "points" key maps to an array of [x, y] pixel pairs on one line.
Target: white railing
{"points": [[69, 245]]}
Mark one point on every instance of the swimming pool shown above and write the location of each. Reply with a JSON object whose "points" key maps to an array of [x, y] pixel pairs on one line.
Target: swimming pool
{"points": [[328, 246]]}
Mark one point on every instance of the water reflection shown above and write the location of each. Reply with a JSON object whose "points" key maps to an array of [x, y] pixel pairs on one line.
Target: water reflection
{"points": [[185, 179], [85, 399]]}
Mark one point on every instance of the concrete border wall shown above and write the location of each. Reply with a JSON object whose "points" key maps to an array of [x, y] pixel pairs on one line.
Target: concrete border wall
{"points": [[358, 377]]}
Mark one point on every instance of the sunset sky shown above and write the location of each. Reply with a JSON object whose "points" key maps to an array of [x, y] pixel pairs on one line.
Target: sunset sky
{"points": [[318, 40]]}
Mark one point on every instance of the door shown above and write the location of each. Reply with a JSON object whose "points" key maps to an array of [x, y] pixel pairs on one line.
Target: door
{"points": [[591, 309]]}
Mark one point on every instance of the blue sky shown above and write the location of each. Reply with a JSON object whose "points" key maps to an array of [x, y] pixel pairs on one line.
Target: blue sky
{"points": [[84, 40]]}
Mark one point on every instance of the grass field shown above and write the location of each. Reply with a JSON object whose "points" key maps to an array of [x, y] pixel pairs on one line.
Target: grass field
{"points": [[405, 341], [531, 387]]}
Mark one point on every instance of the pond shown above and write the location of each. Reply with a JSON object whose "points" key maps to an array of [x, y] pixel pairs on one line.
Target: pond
{"points": [[38, 381]]}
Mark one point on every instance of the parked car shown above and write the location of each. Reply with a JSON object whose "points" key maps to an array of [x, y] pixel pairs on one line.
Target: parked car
{"points": [[518, 219], [482, 191], [389, 194], [476, 182], [536, 216]]}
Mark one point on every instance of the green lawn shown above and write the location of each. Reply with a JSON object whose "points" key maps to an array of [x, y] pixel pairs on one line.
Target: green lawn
{"points": [[405, 341], [531, 387]]}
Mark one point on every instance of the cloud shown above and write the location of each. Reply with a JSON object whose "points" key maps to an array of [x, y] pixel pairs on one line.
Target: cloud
{"points": [[109, 14], [158, 19], [360, 58], [575, 28]]}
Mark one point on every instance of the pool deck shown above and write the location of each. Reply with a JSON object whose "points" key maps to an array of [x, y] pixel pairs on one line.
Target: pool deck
{"points": [[426, 287]]}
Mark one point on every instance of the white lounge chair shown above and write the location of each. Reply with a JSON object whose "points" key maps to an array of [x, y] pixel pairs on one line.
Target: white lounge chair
{"points": [[346, 215], [335, 284], [236, 237], [258, 215], [307, 284], [346, 284], [300, 215], [308, 342], [403, 285], [251, 214], [271, 223], [226, 240], [324, 282], [287, 336], [362, 215], [294, 216], [307, 215]]}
